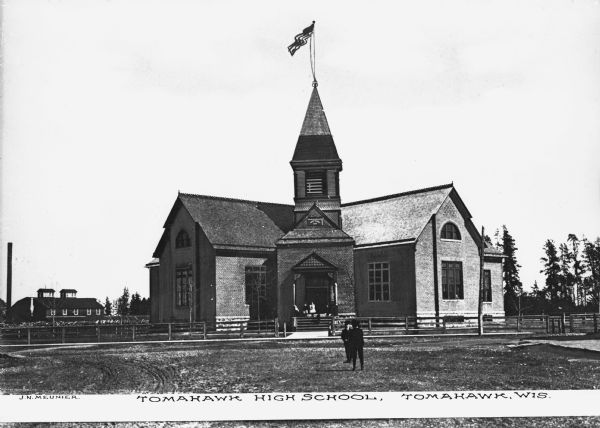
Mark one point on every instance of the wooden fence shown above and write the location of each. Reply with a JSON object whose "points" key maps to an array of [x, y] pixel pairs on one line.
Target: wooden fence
{"points": [[547, 324], [373, 326], [138, 332]]}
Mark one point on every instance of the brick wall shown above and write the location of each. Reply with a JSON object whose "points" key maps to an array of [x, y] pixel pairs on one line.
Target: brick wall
{"points": [[340, 256], [465, 251], [230, 285], [402, 285]]}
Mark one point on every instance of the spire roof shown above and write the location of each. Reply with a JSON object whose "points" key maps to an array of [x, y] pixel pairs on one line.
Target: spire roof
{"points": [[315, 122], [315, 143]]}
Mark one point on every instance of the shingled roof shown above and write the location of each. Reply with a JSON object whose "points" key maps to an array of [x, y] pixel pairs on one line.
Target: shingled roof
{"points": [[315, 142], [69, 302], [394, 218], [238, 223]]}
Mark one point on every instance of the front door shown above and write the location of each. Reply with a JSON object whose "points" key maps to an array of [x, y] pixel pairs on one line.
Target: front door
{"points": [[317, 291]]}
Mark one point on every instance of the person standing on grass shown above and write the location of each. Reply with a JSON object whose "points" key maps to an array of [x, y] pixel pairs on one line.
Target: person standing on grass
{"points": [[346, 340], [357, 342]]}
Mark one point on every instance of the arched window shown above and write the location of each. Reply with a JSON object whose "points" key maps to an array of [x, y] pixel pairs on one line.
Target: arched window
{"points": [[182, 240], [450, 231]]}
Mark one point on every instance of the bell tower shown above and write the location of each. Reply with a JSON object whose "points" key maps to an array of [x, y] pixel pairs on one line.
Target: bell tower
{"points": [[316, 165]]}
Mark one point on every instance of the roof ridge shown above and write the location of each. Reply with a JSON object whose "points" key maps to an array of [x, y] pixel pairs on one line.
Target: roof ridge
{"points": [[397, 195], [222, 198]]}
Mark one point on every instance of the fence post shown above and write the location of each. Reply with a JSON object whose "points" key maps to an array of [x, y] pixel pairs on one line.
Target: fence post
{"points": [[595, 323], [443, 323], [169, 331], [332, 326], [518, 323], [547, 324], [571, 324], [241, 329], [204, 330], [276, 326], [63, 334], [406, 324], [28, 336], [284, 330], [133, 333], [563, 321], [370, 326], [98, 333]]}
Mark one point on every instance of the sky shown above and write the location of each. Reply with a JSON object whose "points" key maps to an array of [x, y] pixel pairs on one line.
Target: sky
{"points": [[110, 107]]}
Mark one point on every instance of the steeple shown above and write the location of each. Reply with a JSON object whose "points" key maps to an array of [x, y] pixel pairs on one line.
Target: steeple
{"points": [[315, 142], [316, 165]]}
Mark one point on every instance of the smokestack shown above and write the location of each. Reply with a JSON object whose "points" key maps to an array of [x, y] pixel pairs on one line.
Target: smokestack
{"points": [[9, 277]]}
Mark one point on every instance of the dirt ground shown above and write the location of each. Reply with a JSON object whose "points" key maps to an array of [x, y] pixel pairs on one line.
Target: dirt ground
{"points": [[247, 367]]}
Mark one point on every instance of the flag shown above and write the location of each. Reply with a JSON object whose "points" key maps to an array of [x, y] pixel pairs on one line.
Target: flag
{"points": [[301, 39]]}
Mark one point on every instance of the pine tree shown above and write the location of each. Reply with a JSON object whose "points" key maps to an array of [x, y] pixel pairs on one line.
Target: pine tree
{"points": [[591, 259], [552, 272], [578, 269], [565, 277], [123, 303], [108, 306], [513, 287], [135, 305]]}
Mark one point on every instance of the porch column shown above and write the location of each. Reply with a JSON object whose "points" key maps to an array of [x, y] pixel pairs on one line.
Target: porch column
{"points": [[294, 293]]}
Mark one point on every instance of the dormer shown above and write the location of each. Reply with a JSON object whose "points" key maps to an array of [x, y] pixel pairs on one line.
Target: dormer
{"points": [[68, 293], [45, 292]]}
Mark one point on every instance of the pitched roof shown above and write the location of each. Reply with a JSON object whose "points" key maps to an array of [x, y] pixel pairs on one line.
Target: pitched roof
{"points": [[315, 142], [315, 122], [69, 302], [238, 223], [393, 218], [303, 232]]}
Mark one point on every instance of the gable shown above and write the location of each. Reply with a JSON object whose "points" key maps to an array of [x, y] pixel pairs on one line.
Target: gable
{"points": [[314, 262]]}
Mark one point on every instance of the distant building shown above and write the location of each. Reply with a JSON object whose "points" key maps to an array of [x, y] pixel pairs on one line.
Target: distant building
{"points": [[66, 307], [414, 253]]}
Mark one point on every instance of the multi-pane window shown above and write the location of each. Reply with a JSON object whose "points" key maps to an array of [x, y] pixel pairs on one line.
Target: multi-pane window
{"points": [[256, 282], [183, 286], [452, 280], [64, 312], [88, 312], [315, 183], [487, 285], [450, 231], [53, 312], [75, 311], [98, 311], [379, 281], [182, 240]]}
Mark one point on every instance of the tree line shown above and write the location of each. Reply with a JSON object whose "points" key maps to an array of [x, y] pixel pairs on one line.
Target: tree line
{"points": [[572, 276], [124, 305]]}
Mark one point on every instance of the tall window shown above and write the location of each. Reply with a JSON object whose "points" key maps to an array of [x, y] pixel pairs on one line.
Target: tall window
{"points": [[379, 281], [88, 312], [256, 283], [183, 284], [75, 311], [315, 183], [98, 312], [64, 312], [452, 280], [487, 285], [182, 240], [450, 231]]}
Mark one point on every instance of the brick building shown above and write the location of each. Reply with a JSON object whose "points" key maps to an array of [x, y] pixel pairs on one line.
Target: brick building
{"points": [[411, 253]]}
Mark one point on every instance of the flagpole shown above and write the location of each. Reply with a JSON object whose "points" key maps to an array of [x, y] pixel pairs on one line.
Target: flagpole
{"points": [[313, 57]]}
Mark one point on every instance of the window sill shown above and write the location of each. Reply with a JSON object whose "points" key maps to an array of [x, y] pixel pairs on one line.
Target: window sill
{"points": [[450, 240]]}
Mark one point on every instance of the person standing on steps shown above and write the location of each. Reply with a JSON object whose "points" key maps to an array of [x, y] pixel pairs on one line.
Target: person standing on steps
{"points": [[346, 340], [357, 342]]}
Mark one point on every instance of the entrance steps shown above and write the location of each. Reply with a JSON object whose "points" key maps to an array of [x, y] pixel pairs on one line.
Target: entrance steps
{"points": [[312, 324]]}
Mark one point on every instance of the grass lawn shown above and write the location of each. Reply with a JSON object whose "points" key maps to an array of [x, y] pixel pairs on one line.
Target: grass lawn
{"points": [[294, 366]]}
